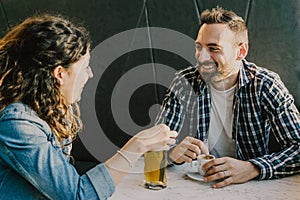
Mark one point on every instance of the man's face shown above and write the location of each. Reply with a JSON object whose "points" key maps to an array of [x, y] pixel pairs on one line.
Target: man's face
{"points": [[217, 52]]}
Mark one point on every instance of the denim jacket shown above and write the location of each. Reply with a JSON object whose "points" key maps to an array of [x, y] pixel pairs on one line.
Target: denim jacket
{"points": [[33, 165]]}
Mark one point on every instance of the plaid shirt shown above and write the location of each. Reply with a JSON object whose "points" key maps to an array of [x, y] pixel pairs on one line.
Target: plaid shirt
{"points": [[262, 106]]}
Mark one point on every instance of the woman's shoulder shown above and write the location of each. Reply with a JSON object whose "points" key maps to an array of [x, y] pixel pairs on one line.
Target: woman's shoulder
{"points": [[20, 114], [17, 110]]}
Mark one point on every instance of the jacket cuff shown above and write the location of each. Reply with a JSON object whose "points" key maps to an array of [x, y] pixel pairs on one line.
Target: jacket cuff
{"points": [[102, 181]]}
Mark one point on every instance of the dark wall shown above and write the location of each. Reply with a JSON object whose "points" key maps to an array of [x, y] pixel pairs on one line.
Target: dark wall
{"points": [[114, 106]]}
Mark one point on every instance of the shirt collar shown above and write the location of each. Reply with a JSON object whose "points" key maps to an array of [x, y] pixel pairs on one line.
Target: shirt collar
{"points": [[247, 73]]}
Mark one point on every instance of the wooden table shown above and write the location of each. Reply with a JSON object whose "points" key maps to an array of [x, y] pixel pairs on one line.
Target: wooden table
{"points": [[183, 188]]}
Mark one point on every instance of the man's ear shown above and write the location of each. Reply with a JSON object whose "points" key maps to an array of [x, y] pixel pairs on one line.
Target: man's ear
{"points": [[58, 74], [243, 50]]}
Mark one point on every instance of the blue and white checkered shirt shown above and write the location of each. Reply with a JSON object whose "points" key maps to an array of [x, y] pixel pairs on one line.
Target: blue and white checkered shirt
{"points": [[262, 106]]}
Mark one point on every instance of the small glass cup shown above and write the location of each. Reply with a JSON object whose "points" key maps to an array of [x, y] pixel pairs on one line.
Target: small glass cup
{"points": [[155, 169]]}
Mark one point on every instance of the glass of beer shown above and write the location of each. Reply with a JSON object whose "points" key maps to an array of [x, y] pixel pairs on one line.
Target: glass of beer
{"points": [[155, 169]]}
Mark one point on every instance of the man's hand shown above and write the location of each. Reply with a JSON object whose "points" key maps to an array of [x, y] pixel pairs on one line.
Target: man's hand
{"points": [[188, 150], [228, 171]]}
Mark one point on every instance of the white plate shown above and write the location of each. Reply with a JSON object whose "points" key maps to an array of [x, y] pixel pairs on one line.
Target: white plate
{"points": [[195, 176]]}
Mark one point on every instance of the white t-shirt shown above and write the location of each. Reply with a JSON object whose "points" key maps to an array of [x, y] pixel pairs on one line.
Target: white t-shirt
{"points": [[220, 141]]}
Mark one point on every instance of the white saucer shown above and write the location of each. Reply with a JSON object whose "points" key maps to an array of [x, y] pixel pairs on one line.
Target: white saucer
{"points": [[195, 176]]}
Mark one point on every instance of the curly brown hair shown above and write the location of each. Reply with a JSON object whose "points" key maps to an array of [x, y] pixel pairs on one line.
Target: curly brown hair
{"points": [[29, 52]]}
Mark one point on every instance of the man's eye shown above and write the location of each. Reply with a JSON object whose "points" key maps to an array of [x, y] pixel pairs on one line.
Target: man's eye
{"points": [[198, 47], [214, 49]]}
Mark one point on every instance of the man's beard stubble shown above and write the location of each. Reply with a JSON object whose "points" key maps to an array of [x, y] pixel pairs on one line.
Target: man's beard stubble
{"points": [[207, 76]]}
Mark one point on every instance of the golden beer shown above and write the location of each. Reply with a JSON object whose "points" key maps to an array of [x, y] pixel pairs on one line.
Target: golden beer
{"points": [[155, 169]]}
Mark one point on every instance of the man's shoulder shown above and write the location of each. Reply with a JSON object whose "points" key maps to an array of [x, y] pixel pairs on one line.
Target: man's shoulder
{"points": [[191, 70], [187, 80], [261, 73], [190, 73]]}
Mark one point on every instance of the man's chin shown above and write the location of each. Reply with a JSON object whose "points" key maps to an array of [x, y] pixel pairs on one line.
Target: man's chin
{"points": [[208, 77]]}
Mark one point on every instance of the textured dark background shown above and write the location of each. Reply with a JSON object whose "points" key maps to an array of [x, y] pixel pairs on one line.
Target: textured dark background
{"points": [[273, 34]]}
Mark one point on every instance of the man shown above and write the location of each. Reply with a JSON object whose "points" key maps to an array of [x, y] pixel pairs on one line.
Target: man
{"points": [[231, 106]]}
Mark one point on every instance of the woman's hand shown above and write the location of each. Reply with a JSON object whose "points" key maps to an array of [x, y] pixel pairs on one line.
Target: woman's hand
{"points": [[156, 138]]}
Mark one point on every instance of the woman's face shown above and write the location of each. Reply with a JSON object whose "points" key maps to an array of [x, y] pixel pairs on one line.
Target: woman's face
{"points": [[73, 79]]}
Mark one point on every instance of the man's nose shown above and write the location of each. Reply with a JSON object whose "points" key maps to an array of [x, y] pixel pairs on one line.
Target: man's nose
{"points": [[203, 55]]}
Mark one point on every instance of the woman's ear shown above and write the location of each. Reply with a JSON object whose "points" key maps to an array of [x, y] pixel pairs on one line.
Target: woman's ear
{"points": [[58, 74], [243, 50]]}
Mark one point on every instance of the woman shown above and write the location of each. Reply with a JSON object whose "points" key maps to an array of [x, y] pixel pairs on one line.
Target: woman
{"points": [[44, 65]]}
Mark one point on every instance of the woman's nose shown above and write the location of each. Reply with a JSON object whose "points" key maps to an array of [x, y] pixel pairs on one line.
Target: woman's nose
{"points": [[90, 72]]}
